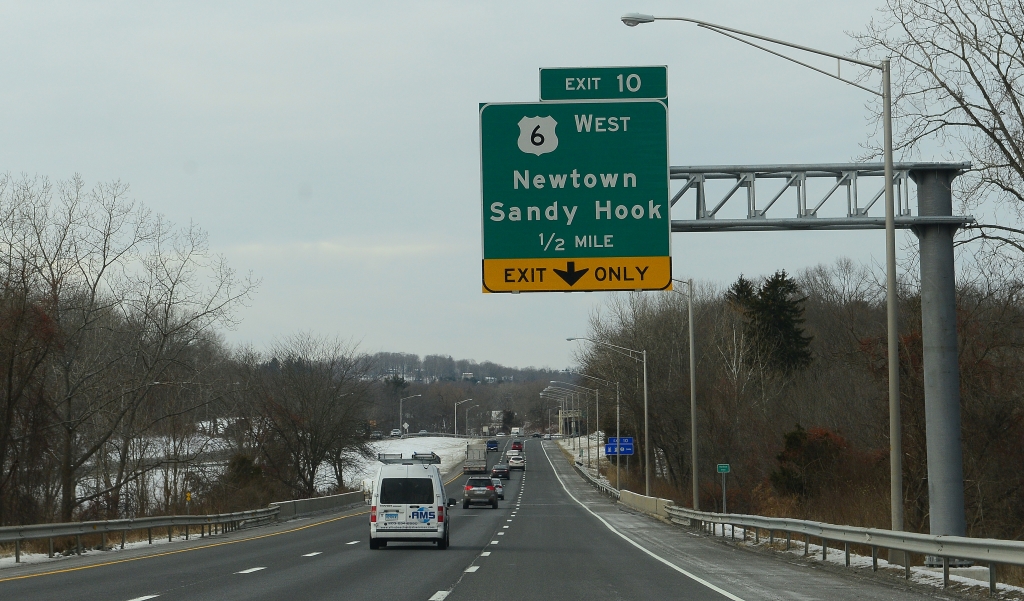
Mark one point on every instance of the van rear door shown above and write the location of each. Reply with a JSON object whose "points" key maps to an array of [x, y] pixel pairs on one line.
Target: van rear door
{"points": [[407, 505]]}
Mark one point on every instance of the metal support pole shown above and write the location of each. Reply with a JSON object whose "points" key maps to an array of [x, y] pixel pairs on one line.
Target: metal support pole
{"points": [[789, 540], [945, 572], [724, 507], [17, 551], [647, 434], [941, 361], [991, 579], [846, 548], [693, 401], [892, 324], [50, 543], [103, 541], [874, 558], [618, 440], [149, 533], [824, 549], [78, 544], [124, 535]]}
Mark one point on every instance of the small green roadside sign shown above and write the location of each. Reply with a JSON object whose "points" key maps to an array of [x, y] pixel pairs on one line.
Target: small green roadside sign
{"points": [[604, 83], [723, 468]]}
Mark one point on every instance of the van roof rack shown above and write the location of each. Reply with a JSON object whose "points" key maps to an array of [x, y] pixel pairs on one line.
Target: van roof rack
{"points": [[418, 457]]}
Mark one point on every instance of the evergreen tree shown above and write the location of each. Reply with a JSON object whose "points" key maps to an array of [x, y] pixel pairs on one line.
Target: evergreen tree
{"points": [[774, 314]]}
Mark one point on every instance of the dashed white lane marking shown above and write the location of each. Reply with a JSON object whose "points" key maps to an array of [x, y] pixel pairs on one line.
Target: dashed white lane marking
{"points": [[313, 554], [501, 534], [668, 563], [472, 568], [508, 521], [485, 554], [439, 596], [506, 527], [355, 542], [251, 570], [144, 597], [494, 542]]}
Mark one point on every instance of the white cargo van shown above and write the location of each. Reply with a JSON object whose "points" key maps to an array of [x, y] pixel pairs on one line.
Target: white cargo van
{"points": [[408, 502]]}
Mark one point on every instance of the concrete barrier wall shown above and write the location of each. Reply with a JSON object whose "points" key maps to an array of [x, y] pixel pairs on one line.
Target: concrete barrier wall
{"points": [[651, 505], [290, 509]]}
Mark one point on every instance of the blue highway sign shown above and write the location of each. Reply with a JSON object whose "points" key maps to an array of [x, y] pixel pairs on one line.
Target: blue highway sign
{"points": [[623, 449], [623, 440]]}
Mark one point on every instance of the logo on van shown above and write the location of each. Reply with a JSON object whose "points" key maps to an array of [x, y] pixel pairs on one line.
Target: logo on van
{"points": [[424, 516]]}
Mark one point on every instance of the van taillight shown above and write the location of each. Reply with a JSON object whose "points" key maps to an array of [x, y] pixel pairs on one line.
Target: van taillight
{"points": [[440, 513], [373, 514]]}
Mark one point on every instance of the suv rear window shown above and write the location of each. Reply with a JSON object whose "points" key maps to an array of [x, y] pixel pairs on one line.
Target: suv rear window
{"points": [[406, 491], [481, 482]]}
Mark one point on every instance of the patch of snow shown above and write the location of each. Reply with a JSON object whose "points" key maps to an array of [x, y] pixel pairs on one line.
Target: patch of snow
{"points": [[452, 452]]}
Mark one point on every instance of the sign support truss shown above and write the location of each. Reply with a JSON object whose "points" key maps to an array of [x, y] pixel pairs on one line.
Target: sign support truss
{"points": [[846, 175]]}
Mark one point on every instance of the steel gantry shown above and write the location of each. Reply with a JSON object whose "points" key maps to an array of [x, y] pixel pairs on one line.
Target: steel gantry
{"points": [[794, 179]]}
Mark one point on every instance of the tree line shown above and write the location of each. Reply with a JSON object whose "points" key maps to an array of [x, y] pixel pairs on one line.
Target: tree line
{"points": [[791, 386]]}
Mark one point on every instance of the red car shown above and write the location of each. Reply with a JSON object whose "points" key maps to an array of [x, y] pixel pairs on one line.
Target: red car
{"points": [[517, 445]]}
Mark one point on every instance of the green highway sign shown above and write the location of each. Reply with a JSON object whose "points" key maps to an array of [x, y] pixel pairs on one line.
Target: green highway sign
{"points": [[604, 83], [723, 468], [575, 196]]}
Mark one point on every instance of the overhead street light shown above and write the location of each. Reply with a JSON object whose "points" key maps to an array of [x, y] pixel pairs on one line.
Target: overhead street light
{"points": [[617, 439], [457, 403], [401, 416], [895, 425], [467, 417], [693, 393], [597, 418], [636, 356]]}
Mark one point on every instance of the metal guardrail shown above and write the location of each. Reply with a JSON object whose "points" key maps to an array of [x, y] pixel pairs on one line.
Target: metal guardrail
{"points": [[221, 522], [598, 484], [949, 548]]}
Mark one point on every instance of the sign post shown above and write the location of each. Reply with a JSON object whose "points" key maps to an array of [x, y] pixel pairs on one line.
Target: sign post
{"points": [[575, 196], [723, 468]]}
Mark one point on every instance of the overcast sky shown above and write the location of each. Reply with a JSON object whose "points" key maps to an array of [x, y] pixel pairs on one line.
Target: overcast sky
{"points": [[332, 148]]}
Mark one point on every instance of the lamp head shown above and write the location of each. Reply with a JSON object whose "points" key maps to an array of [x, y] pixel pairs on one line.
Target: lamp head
{"points": [[634, 19]]}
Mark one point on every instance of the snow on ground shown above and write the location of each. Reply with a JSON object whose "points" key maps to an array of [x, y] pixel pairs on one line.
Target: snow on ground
{"points": [[113, 546], [451, 450]]}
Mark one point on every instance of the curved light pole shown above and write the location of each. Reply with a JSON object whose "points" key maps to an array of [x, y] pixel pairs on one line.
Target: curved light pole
{"points": [[597, 418], [401, 416], [895, 423], [636, 356], [617, 443], [561, 398], [467, 416], [457, 403], [693, 393]]}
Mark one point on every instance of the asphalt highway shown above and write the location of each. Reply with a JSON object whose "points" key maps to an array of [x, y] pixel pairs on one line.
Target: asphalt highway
{"points": [[553, 537]]}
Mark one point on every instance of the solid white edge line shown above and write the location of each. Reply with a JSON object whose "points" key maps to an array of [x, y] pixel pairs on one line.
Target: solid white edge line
{"points": [[144, 597], [689, 575], [355, 542], [472, 569], [313, 554]]}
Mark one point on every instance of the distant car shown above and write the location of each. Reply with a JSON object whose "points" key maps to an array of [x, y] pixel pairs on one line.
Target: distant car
{"points": [[492, 445], [499, 487], [517, 462], [396, 433], [517, 445], [480, 490], [500, 434], [547, 437], [376, 435], [422, 433], [537, 434], [500, 470]]}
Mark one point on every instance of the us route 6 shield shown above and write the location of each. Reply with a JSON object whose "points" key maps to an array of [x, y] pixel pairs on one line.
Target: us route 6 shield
{"points": [[537, 135]]}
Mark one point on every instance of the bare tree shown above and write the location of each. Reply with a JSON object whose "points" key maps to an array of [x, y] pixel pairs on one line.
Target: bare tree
{"points": [[959, 78]]}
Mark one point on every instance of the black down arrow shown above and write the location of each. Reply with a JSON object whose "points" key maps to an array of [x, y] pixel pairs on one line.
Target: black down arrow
{"points": [[570, 275]]}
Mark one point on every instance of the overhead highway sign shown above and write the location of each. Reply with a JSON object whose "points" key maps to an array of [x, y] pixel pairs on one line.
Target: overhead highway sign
{"points": [[575, 196]]}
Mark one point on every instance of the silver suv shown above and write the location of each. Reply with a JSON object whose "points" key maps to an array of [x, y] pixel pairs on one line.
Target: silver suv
{"points": [[480, 490]]}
